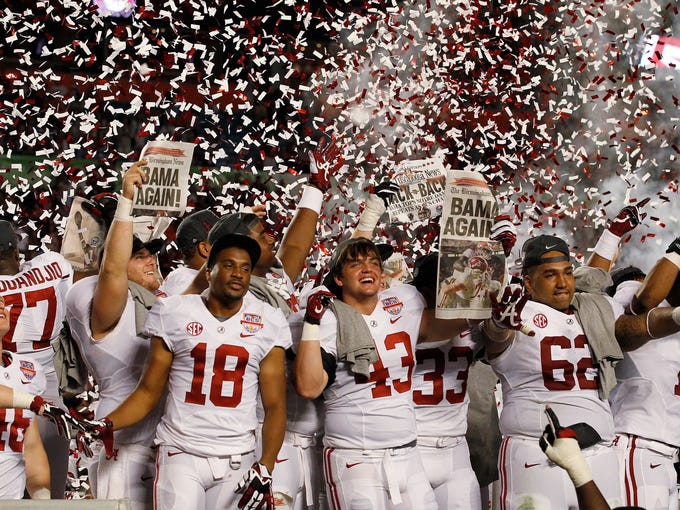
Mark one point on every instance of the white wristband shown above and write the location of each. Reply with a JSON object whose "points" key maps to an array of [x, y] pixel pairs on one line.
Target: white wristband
{"points": [[123, 209], [312, 198], [375, 207], [673, 257], [22, 400], [675, 314], [310, 332], [41, 493], [607, 245]]}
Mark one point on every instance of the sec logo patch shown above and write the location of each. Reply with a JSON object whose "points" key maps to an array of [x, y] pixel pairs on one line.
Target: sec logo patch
{"points": [[540, 320], [194, 328]]}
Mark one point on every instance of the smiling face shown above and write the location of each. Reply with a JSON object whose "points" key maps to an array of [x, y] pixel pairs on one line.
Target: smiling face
{"points": [[143, 270], [360, 276], [551, 284]]}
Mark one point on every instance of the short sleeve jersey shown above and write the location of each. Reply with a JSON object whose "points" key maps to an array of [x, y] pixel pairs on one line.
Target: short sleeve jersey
{"points": [[553, 367], [376, 412], [35, 297], [646, 399], [213, 381], [178, 280], [116, 361], [24, 374], [440, 385]]}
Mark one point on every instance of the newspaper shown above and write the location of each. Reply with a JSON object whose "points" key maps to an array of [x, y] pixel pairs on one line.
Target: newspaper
{"points": [[470, 266], [396, 270], [421, 190], [167, 186], [83, 238]]}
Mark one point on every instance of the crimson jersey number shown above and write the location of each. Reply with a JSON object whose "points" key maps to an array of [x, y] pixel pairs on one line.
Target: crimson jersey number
{"points": [[677, 386], [436, 376], [571, 374], [17, 302], [379, 374], [12, 434], [220, 375]]}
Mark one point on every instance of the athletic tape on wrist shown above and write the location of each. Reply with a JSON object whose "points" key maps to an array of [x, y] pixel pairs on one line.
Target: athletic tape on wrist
{"points": [[673, 258], [375, 208], [123, 209], [310, 332], [22, 400], [41, 493], [676, 315], [312, 198], [607, 245]]}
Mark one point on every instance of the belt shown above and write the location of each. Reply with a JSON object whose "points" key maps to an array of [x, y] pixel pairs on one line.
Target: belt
{"points": [[650, 444], [439, 441]]}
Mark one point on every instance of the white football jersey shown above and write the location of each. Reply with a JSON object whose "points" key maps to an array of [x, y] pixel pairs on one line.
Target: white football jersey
{"points": [[21, 373], [440, 379], [35, 297], [376, 412], [178, 280], [646, 400], [116, 361], [213, 384], [553, 367]]}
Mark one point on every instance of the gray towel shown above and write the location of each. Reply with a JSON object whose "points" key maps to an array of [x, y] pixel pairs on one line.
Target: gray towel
{"points": [[596, 316], [265, 291], [591, 279], [68, 363], [143, 300], [354, 340]]}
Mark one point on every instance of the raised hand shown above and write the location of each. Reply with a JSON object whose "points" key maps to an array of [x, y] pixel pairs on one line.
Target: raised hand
{"points": [[504, 230], [628, 218], [317, 304], [562, 447], [256, 486], [507, 312], [324, 161], [386, 190]]}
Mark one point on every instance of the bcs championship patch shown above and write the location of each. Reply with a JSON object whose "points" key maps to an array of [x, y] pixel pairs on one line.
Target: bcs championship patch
{"points": [[27, 369], [392, 305], [252, 323]]}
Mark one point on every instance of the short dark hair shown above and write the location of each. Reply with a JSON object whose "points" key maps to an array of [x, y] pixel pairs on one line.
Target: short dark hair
{"points": [[349, 249], [624, 274]]}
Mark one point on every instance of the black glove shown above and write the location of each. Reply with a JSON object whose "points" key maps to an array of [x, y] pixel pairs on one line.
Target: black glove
{"points": [[386, 191], [60, 418], [256, 486], [674, 247], [102, 207]]}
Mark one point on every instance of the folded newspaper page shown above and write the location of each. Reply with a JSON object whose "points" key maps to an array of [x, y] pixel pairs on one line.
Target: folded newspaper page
{"points": [[167, 187], [421, 190], [470, 266], [83, 238]]}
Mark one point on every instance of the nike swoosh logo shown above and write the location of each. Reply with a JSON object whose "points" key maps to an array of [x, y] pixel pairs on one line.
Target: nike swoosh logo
{"points": [[348, 465], [25, 382], [145, 478], [550, 247], [172, 454], [392, 321], [654, 466], [527, 465], [281, 460], [246, 336]]}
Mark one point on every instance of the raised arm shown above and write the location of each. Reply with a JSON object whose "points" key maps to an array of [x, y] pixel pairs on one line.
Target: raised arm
{"points": [[659, 281], [299, 237], [110, 294]]}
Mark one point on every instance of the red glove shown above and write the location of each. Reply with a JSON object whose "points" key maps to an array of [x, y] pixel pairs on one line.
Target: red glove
{"points": [[507, 312], [323, 162], [256, 486], [504, 230], [628, 218], [317, 304], [103, 207], [97, 429], [37, 404]]}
